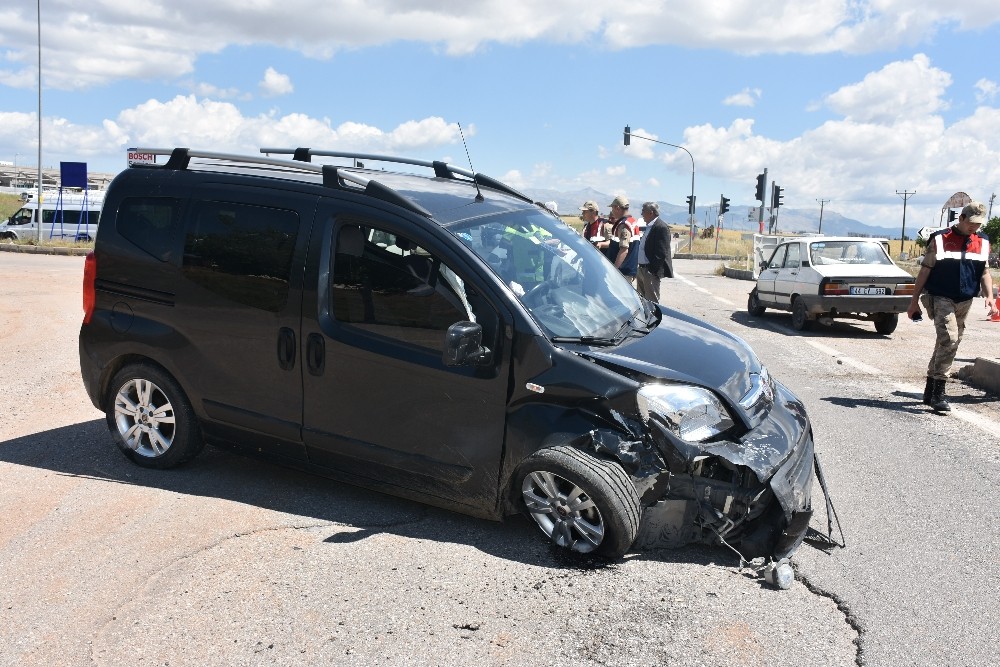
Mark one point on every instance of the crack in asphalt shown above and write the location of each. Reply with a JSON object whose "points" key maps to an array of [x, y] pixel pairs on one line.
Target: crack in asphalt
{"points": [[844, 608]]}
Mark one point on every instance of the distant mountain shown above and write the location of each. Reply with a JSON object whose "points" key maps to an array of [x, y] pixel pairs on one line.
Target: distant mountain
{"points": [[790, 220]]}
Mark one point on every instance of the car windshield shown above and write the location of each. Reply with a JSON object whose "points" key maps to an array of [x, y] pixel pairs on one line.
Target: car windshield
{"points": [[570, 289], [848, 252]]}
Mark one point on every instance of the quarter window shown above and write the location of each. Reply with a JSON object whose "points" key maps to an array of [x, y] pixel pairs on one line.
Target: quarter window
{"points": [[150, 223]]}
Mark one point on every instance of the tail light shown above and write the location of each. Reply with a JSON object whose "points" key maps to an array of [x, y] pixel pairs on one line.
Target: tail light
{"points": [[904, 289], [89, 292], [835, 287]]}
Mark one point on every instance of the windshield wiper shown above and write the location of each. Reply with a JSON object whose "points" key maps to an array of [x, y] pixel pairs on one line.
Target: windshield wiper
{"points": [[585, 340]]}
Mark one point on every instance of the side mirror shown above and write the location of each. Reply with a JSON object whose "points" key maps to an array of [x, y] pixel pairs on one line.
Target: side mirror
{"points": [[463, 345], [763, 266]]}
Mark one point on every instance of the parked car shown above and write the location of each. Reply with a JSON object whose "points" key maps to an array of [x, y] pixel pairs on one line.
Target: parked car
{"points": [[826, 278], [438, 337], [63, 215]]}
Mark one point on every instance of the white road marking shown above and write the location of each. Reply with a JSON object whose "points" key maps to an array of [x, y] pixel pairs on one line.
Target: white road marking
{"points": [[836, 354], [703, 290], [967, 416]]}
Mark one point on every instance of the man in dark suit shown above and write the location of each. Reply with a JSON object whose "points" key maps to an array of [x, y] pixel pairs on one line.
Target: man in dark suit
{"points": [[655, 261]]}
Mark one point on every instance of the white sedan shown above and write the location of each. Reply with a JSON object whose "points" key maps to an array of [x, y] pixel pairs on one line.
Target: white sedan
{"points": [[820, 278]]}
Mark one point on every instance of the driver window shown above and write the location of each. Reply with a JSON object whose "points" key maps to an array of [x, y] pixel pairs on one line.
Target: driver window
{"points": [[778, 258], [793, 261], [386, 284]]}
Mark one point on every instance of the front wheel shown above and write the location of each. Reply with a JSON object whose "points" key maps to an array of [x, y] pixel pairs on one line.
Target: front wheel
{"points": [[151, 419], [582, 503], [754, 306], [885, 323]]}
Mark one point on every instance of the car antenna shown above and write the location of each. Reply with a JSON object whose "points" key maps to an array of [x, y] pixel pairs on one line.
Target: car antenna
{"points": [[479, 195]]}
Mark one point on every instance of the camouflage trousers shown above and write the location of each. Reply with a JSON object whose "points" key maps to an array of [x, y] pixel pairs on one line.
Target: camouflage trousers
{"points": [[949, 324]]}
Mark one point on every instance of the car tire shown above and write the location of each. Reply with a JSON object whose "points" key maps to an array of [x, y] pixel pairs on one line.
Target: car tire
{"points": [[885, 323], [151, 419], [800, 318], [582, 503], [754, 306]]}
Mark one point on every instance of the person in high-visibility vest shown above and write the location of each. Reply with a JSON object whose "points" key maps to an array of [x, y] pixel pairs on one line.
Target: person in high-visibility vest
{"points": [[952, 273]]}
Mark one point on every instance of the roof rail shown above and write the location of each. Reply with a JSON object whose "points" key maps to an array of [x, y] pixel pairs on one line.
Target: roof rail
{"points": [[441, 169], [180, 158]]}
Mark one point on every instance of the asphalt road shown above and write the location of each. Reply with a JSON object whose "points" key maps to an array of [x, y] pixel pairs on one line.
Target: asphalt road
{"points": [[231, 561]]}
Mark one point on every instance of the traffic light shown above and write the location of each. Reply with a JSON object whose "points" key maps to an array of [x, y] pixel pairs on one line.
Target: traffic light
{"points": [[951, 215], [761, 178], [628, 135], [777, 196], [723, 205], [690, 201]]}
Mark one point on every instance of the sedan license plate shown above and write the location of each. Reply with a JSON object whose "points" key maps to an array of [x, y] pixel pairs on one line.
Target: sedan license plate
{"points": [[864, 291]]}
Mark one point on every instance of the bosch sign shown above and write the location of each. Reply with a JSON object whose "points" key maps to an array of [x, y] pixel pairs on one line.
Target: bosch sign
{"points": [[138, 157]]}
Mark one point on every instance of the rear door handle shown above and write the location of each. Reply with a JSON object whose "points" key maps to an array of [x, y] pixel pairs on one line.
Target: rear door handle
{"points": [[315, 354], [286, 349]]}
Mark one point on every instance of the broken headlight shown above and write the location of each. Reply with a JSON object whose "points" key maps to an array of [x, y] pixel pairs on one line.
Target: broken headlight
{"points": [[692, 413]]}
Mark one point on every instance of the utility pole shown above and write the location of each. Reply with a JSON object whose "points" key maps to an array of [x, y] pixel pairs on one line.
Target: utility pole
{"points": [[989, 215], [902, 235], [821, 202]]}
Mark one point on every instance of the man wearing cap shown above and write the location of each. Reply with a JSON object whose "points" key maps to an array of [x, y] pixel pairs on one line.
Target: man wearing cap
{"points": [[952, 272], [623, 251], [595, 228], [655, 261]]}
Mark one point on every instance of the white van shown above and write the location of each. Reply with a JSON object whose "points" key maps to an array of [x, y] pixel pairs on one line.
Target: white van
{"points": [[72, 216]]}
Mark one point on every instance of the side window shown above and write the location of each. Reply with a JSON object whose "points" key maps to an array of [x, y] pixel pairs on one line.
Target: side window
{"points": [[241, 252], [150, 223], [386, 284], [793, 260], [22, 217], [778, 258]]}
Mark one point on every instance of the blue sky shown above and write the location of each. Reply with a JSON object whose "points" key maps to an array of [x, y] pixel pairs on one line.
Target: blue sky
{"points": [[842, 100]]}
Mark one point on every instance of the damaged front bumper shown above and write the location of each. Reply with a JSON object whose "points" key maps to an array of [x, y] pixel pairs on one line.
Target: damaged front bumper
{"points": [[753, 493]]}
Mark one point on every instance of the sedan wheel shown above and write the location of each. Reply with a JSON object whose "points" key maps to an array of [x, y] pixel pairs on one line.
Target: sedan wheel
{"points": [[151, 419], [754, 306], [885, 323], [800, 318], [582, 503]]}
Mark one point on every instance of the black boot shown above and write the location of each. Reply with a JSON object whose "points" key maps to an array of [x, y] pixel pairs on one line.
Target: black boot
{"points": [[938, 402], [928, 390]]}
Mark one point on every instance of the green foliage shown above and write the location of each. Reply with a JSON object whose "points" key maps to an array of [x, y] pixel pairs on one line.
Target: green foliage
{"points": [[9, 204], [992, 230]]}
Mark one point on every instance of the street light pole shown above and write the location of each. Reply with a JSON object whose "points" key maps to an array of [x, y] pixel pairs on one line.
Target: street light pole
{"points": [[628, 135], [38, 200]]}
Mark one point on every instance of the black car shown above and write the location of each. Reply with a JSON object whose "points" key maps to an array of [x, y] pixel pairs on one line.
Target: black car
{"points": [[439, 337]]}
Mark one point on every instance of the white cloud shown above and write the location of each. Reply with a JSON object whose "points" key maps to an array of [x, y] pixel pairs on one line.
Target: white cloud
{"points": [[986, 90], [274, 84], [221, 126], [890, 135], [96, 43], [903, 89], [616, 170], [745, 98]]}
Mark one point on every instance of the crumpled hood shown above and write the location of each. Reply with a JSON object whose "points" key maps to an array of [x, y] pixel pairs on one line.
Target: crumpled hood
{"points": [[686, 349]]}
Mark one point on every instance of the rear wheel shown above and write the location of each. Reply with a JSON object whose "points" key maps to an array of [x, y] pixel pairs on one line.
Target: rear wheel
{"points": [[582, 503], [800, 318], [885, 323], [754, 306], [151, 419]]}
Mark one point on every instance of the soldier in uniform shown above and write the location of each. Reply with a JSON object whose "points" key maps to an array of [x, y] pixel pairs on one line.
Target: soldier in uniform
{"points": [[952, 272]]}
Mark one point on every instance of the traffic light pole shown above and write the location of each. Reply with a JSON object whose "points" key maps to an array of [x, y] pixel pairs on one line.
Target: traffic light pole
{"points": [[629, 135]]}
